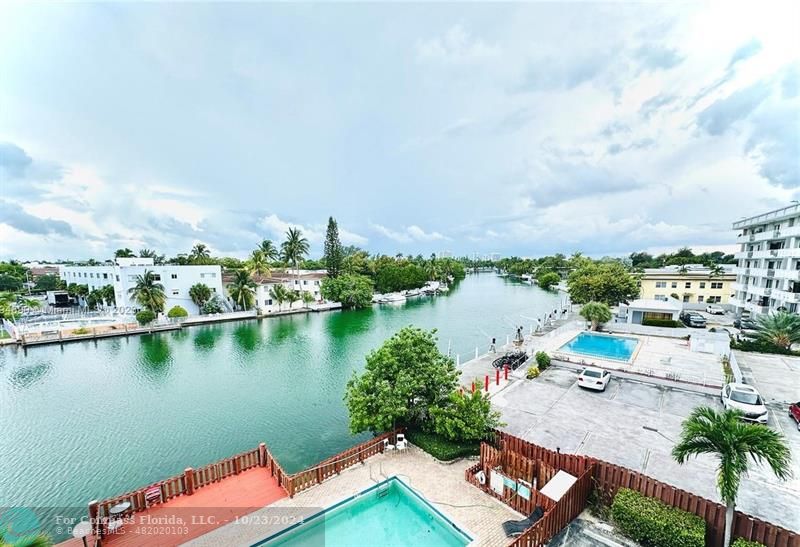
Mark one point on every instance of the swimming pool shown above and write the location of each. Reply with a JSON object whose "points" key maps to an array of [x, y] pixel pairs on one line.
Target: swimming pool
{"points": [[604, 346], [389, 513]]}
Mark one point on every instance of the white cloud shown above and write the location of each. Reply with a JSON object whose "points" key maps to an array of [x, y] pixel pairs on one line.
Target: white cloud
{"points": [[408, 234], [456, 46], [315, 234]]}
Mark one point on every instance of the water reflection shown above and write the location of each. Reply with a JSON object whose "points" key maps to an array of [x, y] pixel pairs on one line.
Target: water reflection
{"points": [[248, 335], [155, 355], [207, 336]]}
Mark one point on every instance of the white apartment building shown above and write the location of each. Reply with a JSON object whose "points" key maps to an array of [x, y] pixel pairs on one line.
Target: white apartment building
{"points": [[177, 280], [768, 262], [309, 281]]}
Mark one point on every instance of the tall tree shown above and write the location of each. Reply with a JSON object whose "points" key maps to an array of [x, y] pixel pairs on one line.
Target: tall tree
{"points": [[149, 293], [200, 293], [333, 249], [200, 254], [242, 290], [780, 329], [278, 293], [124, 253], [258, 264], [596, 312], [607, 282], [734, 443], [294, 249], [269, 249]]}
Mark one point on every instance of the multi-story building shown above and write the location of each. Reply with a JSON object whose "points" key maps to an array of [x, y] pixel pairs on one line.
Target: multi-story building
{"points": [[177, 280], [694, 285], [768, 271], [309, 281]]}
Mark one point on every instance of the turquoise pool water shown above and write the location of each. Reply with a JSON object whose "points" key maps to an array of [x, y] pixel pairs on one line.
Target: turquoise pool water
{"points": [[387, 514], [604, 346]]}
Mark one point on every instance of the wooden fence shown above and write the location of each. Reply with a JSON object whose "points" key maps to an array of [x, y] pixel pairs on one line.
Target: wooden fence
{"points": [[607, 478]]}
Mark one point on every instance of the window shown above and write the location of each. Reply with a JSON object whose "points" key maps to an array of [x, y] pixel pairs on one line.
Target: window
{"points": [[156, 277], [105, 276], [305, 281], [685, 297], [688, 284], [174, 276], [660, 297], [716, 285], [117, 277], [268, 302], [699, 299], [702, 284], [175, 292], [674, 284], [661, 284], [91, 275]]}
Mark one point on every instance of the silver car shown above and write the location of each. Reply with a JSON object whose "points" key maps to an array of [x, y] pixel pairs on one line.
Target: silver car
{"points": [[745, 399]]}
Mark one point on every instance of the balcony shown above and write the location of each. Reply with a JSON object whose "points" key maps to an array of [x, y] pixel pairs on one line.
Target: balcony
{"points": [[773, 253]]}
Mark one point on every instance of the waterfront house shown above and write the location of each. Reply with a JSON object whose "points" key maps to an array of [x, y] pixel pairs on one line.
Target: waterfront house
{"points": [[308, 281], [177, 280], [694, 285], [666, 309]]}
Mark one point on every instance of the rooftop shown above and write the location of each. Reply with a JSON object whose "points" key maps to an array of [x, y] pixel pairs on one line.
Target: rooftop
{"points": [[653, 304], [769, 216], [690, 270]]}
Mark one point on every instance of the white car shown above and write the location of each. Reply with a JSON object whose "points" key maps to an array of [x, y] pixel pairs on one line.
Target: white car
{"points": [[715, 310], [594, 378], [746, 399]]}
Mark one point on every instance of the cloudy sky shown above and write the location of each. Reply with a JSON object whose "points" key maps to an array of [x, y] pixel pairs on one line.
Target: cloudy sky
{"points": [[519, 129]]}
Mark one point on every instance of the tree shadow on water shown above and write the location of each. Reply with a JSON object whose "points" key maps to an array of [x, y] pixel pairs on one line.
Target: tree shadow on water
{"points": [[206, 337], [248, 336], [155, 355]]}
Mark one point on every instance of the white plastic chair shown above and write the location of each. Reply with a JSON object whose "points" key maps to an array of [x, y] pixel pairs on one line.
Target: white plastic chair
{"points": [[402, 443], [386, 446]]}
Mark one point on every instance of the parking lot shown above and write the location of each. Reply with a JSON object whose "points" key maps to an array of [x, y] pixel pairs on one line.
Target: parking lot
{"points": [[635, 424]]}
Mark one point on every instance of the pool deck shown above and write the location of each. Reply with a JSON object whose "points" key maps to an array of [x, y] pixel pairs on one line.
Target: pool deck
{"points": [[442, 485], [187, 517]]}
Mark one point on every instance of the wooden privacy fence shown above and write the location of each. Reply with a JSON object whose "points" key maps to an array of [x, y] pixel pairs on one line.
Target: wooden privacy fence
{"points": [[608, 478], [336, 464]]}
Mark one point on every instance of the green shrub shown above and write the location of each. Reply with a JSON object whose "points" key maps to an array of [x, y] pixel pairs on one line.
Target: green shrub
{"points": [[741, 542], [212, 306], [654, 524], [463, 417], [669, 323], [542, 360], [176, 312], [81, 330], [532, 373], [145, 316], [761, 346], [442, 448]]}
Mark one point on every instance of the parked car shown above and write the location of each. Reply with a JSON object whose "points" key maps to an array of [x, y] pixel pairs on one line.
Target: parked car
{"points": [[794, 412], [715, 310], [746, 399], [594, 378], [693, 319]]}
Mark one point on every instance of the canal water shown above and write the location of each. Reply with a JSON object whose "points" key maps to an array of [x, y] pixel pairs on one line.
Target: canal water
{"points": [[98, 418]]}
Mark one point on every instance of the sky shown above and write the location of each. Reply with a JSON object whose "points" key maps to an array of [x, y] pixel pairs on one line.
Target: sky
{"points": [[521, 129]]}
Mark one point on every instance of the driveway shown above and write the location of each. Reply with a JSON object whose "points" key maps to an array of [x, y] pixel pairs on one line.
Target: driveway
{"points": [[635, 424]]}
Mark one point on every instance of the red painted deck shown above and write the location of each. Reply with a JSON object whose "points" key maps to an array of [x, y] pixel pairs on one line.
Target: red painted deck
{"points": [[187, 517]]}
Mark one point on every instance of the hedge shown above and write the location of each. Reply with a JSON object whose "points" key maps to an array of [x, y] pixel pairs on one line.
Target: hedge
{"points": [[654, 524], [741, 542], [145, 316], [441, 448], [760, 346], [661, 323], [176, 312]]}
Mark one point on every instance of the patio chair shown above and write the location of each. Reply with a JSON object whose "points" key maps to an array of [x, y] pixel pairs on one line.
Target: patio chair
{"points": [[386, 446], [514, 528], [402, 443]]}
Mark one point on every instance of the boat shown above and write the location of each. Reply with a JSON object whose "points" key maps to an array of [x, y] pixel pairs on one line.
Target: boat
{"points": [[392, 298], [527, 278], [412, 292], [376, 298]]}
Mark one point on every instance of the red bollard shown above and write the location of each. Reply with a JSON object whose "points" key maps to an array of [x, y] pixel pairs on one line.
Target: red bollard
{"points": [[505, 369], [497, 376], [473, 386], [486, 383]]}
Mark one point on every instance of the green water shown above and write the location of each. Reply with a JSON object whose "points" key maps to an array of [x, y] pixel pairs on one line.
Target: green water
{"points": [[390, 515], [98, 418]]}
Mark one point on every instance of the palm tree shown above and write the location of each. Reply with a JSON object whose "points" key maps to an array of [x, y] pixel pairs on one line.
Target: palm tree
{"points": [[148, 293], [200, 293], [278, 294], [294, 249], [308, 299], [734, 443], [200, 254], [258, 264], [242, 290], [292, 297], [269, 249], [34, 540], [124, 253], [781, 329], [715, 270], [147, 253]]}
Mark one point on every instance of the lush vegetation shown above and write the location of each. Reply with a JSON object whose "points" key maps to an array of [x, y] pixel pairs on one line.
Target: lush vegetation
{"points": [[781, 329], [242, 290], [148, 293], [333, 256], [735, 444], [606, 282], [542, 360], [532, 373], [200, 293], [409, 382], [352, 290], [145, 316], [654, 524], [682, 256], [213, 305], [176, 312], [547, 279], [442, 448], [669, 323], [741, 542], [596, 313], [759, 346]]}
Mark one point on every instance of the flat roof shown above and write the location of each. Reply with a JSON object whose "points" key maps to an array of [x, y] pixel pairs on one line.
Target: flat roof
{"points": [[654, 304], [769, 216]]}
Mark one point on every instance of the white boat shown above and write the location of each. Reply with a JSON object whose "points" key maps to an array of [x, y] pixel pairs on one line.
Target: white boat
{"points": [[412, 292], [376, 298], [392, 298], [527, 278]]}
